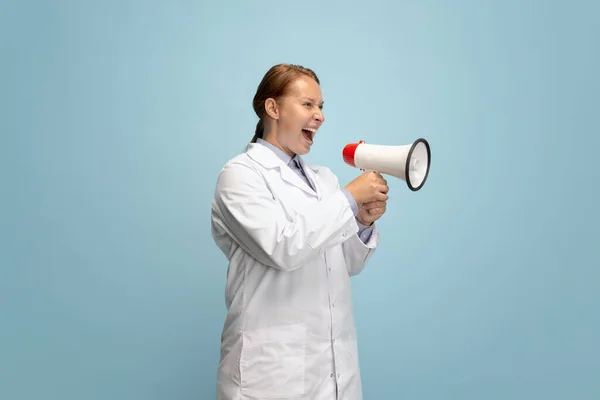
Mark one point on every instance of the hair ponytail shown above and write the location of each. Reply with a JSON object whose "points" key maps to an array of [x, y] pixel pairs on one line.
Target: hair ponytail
{"points": [[260, 130]]}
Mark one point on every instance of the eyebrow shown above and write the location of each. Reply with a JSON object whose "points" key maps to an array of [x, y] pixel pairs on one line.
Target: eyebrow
{"points": [[313, 100]]}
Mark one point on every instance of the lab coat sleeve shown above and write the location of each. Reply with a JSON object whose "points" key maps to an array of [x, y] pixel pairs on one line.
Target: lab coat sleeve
{"points": [[244, 209], [357, 253]]}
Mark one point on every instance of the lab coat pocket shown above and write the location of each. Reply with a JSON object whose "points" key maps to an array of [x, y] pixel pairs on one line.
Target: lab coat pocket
{"points": [[273, 360]]}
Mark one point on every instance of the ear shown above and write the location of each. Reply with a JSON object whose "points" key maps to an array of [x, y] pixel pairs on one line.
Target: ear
{"points": [[271, 108]]}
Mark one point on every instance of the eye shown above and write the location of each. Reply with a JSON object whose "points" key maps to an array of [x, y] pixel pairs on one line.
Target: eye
{"points": [[308, 104]]}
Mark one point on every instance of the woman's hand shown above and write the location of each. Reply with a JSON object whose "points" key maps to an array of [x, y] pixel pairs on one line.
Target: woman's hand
{"points": [[368, 187], [371, 212]]}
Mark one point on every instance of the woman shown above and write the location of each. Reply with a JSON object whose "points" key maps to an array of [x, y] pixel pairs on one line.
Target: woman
{"points": [[293, 238]]}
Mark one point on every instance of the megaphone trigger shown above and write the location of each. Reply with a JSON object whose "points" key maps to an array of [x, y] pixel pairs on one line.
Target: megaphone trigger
{"points": [[410, 163]]}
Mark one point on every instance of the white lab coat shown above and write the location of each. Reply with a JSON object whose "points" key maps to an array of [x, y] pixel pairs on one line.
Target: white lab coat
{"points": [[289, 331]]}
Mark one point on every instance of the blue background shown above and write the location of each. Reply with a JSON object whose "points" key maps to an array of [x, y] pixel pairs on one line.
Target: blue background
{"points": [[117, 117]]}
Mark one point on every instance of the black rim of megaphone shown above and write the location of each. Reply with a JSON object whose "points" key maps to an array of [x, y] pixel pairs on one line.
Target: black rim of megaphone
{"points": [[420, 140]]}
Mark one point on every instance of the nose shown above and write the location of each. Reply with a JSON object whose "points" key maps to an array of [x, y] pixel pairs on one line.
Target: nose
{"points": [[319, 116]]}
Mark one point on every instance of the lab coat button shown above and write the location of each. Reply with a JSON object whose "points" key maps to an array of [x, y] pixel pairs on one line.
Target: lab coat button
{"points": [[344, 234], [331, 375]]}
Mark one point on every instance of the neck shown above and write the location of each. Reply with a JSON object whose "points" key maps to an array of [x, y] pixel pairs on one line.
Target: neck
{"points": [[271, 137]]}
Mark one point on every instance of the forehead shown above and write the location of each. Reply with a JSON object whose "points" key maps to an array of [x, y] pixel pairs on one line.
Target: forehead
{"points": [[305, 86]]}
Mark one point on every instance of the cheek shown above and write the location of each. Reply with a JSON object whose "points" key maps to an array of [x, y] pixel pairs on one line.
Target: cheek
{"points": [[294, 120]]}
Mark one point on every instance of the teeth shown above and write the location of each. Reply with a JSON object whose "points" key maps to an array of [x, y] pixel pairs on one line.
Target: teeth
{"points": [[313, 130]]}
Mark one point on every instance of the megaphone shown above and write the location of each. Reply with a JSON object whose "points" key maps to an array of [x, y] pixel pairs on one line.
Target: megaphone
{"points": [[409, 163]]}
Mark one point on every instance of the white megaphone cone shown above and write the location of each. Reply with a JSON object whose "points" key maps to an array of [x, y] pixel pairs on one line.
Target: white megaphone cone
{"points": [[409, 163]]}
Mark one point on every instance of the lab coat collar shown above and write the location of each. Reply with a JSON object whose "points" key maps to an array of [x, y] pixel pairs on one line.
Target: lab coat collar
{"points": [[268, 159], [278, 152]]}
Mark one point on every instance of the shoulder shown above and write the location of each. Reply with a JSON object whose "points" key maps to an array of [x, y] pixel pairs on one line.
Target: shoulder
{"points": [[240, 164], [240, 173]]}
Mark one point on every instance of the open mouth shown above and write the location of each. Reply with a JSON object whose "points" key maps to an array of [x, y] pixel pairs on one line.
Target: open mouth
{"points": [[309, 133]]}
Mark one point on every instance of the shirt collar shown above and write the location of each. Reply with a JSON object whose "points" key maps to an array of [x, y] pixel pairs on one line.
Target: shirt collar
{"points": [[283, 156]]}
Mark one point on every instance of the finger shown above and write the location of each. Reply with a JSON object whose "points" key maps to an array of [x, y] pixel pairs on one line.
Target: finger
{"points": [[377, 211], [377, 176], [381, 197], [381, 209], [374, 204]]}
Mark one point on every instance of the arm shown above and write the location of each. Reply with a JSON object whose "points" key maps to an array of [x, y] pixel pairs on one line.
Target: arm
{"points": [[357, 251], [364, 231], [243, 208]]}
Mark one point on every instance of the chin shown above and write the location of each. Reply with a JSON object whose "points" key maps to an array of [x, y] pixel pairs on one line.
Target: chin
{"points": [[302, 150]]}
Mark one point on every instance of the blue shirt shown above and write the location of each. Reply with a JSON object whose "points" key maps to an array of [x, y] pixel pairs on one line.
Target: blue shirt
{"points": [[364, 231]]}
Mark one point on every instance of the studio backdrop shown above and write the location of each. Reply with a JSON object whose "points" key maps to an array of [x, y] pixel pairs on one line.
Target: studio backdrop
{"points": [[116, 118]]}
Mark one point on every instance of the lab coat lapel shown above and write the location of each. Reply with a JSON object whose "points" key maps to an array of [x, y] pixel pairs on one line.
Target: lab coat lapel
{"points": [[269, 160], [312, 178], [292, 178]]}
